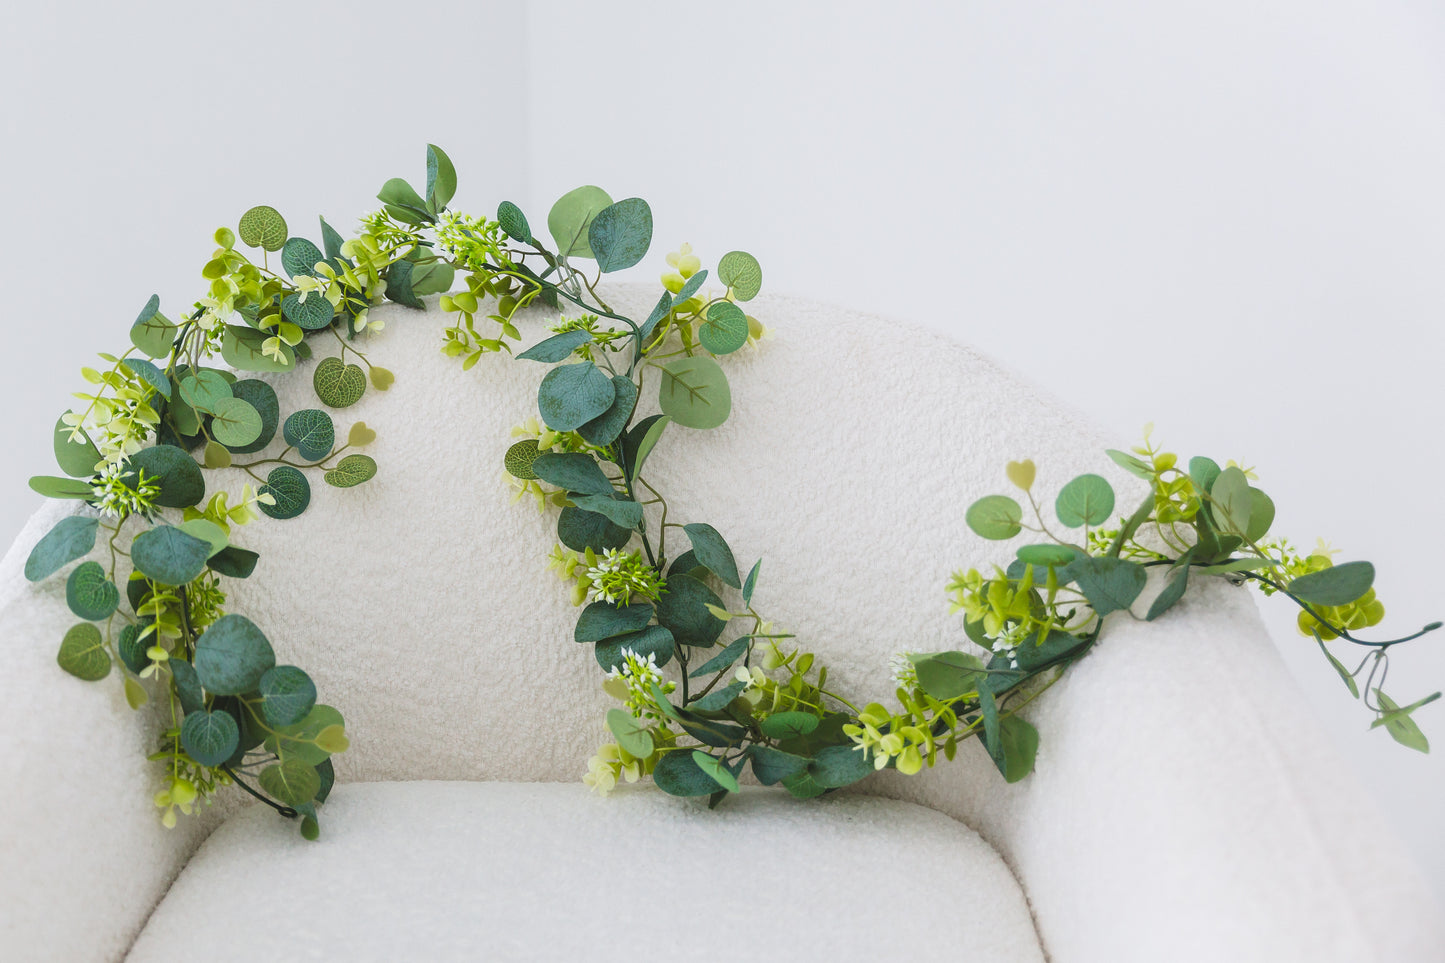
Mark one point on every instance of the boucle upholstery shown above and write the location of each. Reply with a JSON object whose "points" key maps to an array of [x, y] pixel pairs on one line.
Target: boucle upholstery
{"points": [[456, 871], [1185, 807]]}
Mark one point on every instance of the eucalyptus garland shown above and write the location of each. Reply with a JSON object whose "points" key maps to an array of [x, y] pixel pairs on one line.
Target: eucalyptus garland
{"points": [[694, 709]]}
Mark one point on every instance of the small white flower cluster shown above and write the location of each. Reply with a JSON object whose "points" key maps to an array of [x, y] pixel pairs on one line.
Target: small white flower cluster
{"points": [[1007, 644], [115, 498], [632, 680], [903, 670]]}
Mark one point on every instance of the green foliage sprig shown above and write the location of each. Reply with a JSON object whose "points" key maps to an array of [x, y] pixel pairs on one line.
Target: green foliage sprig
{"points": [[695, 710]]}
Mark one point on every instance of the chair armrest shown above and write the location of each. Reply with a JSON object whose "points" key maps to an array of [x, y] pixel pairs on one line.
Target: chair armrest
{"points": [[85, 856], [1185, 806]]}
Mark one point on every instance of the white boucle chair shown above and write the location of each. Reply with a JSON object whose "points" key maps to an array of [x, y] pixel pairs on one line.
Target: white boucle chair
{"points": [[1185, 805]]}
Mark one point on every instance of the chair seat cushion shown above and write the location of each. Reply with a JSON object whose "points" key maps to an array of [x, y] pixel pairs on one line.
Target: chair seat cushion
{"points": [[547, 871]]}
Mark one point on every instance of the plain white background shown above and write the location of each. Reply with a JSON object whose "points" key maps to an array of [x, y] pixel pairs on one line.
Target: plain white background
{"points": [[1227, 217]]}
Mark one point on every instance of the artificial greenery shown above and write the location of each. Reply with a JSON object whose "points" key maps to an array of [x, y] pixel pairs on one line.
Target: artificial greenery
{"points": [[694, 709]]}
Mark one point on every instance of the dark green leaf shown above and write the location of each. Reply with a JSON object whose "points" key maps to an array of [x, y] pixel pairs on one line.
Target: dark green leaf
{"points": [[290, 489], [573, 471], [713, 552], [210, 737], [730, 654], [188, 685], [299, 257], [718, 699], [773, 765], [233, 562], [802, 785], [82, 653], [1345, 676], [559, 347], [574, 394], [710, 732], [1173, 590], [441, 178], [152, 376], [152, 332], [604, 429], [788, 725], [603, 620], [751, 583], [90, 593], [287, 695], [1337, 585], [311, 432], [232, 656], [690, 287], [623, 512], [312, 314], [837, 766], [677, 774], [580, 530], [641, 440], [72, 537], [653, 640], [660, 311], [331, 239], [131, 649], [1203, 472], [514, 222], [181, 482], [1018, 747], [683, 609], [262, 397], [77, 459], [620, 234], [168, 555]]}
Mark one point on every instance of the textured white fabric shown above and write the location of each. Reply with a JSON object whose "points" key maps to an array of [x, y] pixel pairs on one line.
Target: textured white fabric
{"points": [[446, 871], [420, 605]]}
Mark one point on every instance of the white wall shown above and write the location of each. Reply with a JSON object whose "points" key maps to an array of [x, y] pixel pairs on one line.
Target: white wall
{"points": [[1226, 217], [1250, 195]]}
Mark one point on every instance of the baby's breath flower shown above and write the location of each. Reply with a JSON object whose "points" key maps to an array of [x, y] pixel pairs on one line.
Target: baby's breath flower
{"points": [[903, 670], [116, 498], [620, 577]]}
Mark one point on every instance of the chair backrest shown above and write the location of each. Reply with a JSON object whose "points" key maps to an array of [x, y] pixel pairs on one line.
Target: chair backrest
{"points": [[421, 603]]}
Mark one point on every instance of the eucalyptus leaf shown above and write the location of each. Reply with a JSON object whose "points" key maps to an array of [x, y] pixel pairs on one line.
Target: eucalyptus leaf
{"points": [[713, 552], [1046, 555], [834, 767], [233, 562], [741, 272], [71, 538], [788, 725], [631, 733], [715, 769], [725, 330], [1110, 584], [733, 651], [603, 620], [291, 782], [234, 423], [948, 675], [1337, 585], [690, 287], [678, 774], [152, 332], [168, 555], [287, 695], [1230, 501], [580, 530], [78, 459], [90, 593], [52, 487], [244, 349], [653, 640], [232, 655], [683, 609], [620, 511], [996, 517], [1018, 748], [559, 347], [695, 393], [1087, 500], [210, 737], [441, 178], [662, 310], [311, 432], [261, 396], [570, 218], [574, 394], [751, 583], [772, 766], [620, 234], [1131, 464], [606, 427], [292, 492], [648, 439], [572, 471]]}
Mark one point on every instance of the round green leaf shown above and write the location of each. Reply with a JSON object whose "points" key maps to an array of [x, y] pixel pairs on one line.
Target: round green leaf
{"points": [[168, 555], [72, 537], [1337, 585], [948, 675], [204, 389], [299, 741], [725, 330], [291, 782], [574, 394], [740, 271], [653, 640], [300, 257], [313, 314], [695, 393], [520, 457], [181, 481], [1230, 501], [514, 222], [337, 384], [76, 458], [351, 470], [290, 489], [232, 655], [152, 332], [90, 593], [261, 396], [631, 733], [572, 215], [1087, 500], [620, 234], [210, 737], [789, 725], [714, 769], [262, 227], [287, 695], [995, 516], [234, 423], [311, 432], [82, 653], [837, 766]]}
